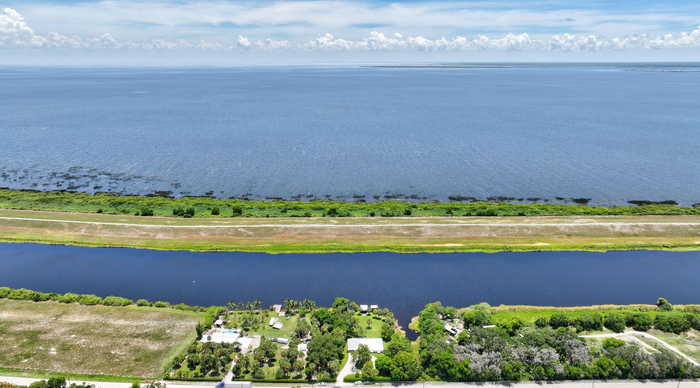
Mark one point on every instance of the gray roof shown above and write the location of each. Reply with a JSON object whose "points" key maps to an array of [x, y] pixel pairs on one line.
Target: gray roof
{"points": [[375, 345]]}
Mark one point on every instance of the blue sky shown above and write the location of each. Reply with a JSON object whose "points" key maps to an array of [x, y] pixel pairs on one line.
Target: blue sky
{"points": [[480, 28]]}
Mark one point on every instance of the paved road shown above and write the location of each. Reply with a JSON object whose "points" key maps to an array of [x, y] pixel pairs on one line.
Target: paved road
{"points": [[388, 225], [567, 384], [25, 381]]}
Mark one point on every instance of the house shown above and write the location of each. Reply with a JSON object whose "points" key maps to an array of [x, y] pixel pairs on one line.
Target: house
{"points": [[450, 329], [375, 345], [374, 307], [280, 340], [364, 308], [277, 308]]}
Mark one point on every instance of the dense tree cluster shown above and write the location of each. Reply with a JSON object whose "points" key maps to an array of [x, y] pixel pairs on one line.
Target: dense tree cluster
{"points": [[551, 350], [203, 360]]}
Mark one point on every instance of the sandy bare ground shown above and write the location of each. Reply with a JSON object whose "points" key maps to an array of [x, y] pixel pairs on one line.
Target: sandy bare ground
{"points": [[633, 333]]}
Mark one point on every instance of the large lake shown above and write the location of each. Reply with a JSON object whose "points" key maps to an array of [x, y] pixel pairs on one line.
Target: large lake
{"points": [[402, 282], [607, 132]]}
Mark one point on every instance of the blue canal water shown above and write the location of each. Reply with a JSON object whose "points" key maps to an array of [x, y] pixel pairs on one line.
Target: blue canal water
{"points": [[402, 282], [613, 132]]}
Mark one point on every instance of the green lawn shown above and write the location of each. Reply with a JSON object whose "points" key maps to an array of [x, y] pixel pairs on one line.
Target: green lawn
{"points": [[262, 327], [370, 325]]}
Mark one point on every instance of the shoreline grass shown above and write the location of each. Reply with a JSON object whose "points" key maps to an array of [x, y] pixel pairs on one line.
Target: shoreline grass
{"points": [[108, 203], [340, 248]]}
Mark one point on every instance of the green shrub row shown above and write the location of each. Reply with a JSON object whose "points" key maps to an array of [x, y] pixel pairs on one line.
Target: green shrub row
{"points": [[670, 322], [89, 299], [208, 206]]}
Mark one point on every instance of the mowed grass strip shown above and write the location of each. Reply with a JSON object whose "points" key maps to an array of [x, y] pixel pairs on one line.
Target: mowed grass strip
{"points": [[70, 338]]}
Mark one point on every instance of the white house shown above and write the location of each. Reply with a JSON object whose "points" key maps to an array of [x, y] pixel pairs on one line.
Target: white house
{"points": [[375, 345]]}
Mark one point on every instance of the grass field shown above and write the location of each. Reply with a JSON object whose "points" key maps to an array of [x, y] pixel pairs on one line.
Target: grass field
{"points": [[353, 234], [100, 340]]}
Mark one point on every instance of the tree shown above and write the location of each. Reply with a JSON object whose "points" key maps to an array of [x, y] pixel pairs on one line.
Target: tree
{"points": [[476, 318], [383, 364], [303, 329], [361, 356], [663, 304], [324, 349], [368, 372], [387, 332], [397, 345], [405, 367]]}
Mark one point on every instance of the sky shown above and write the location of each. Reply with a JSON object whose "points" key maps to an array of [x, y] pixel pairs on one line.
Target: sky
{"points": [[358, 31]]}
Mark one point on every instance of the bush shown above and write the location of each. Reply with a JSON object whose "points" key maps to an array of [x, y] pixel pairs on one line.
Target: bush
{"points": [[694, 320], [541, 322], [116, 301], [25, 294], [639, 321], [161, 304], [672, 323], [215, 211], [146, 212], [612, 343], [558, 320], [5, 291], [615, 322], [236, 211], [68, 297], [89, 299], [143, 302], [589, 322]]}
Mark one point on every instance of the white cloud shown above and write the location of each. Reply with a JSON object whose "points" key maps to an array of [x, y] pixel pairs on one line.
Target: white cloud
{"points": [[15, 32]]}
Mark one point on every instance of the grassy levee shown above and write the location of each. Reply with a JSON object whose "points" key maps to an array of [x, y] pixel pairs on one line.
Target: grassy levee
{"points": [[353, 234], [107, 220], [97, 343]]}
